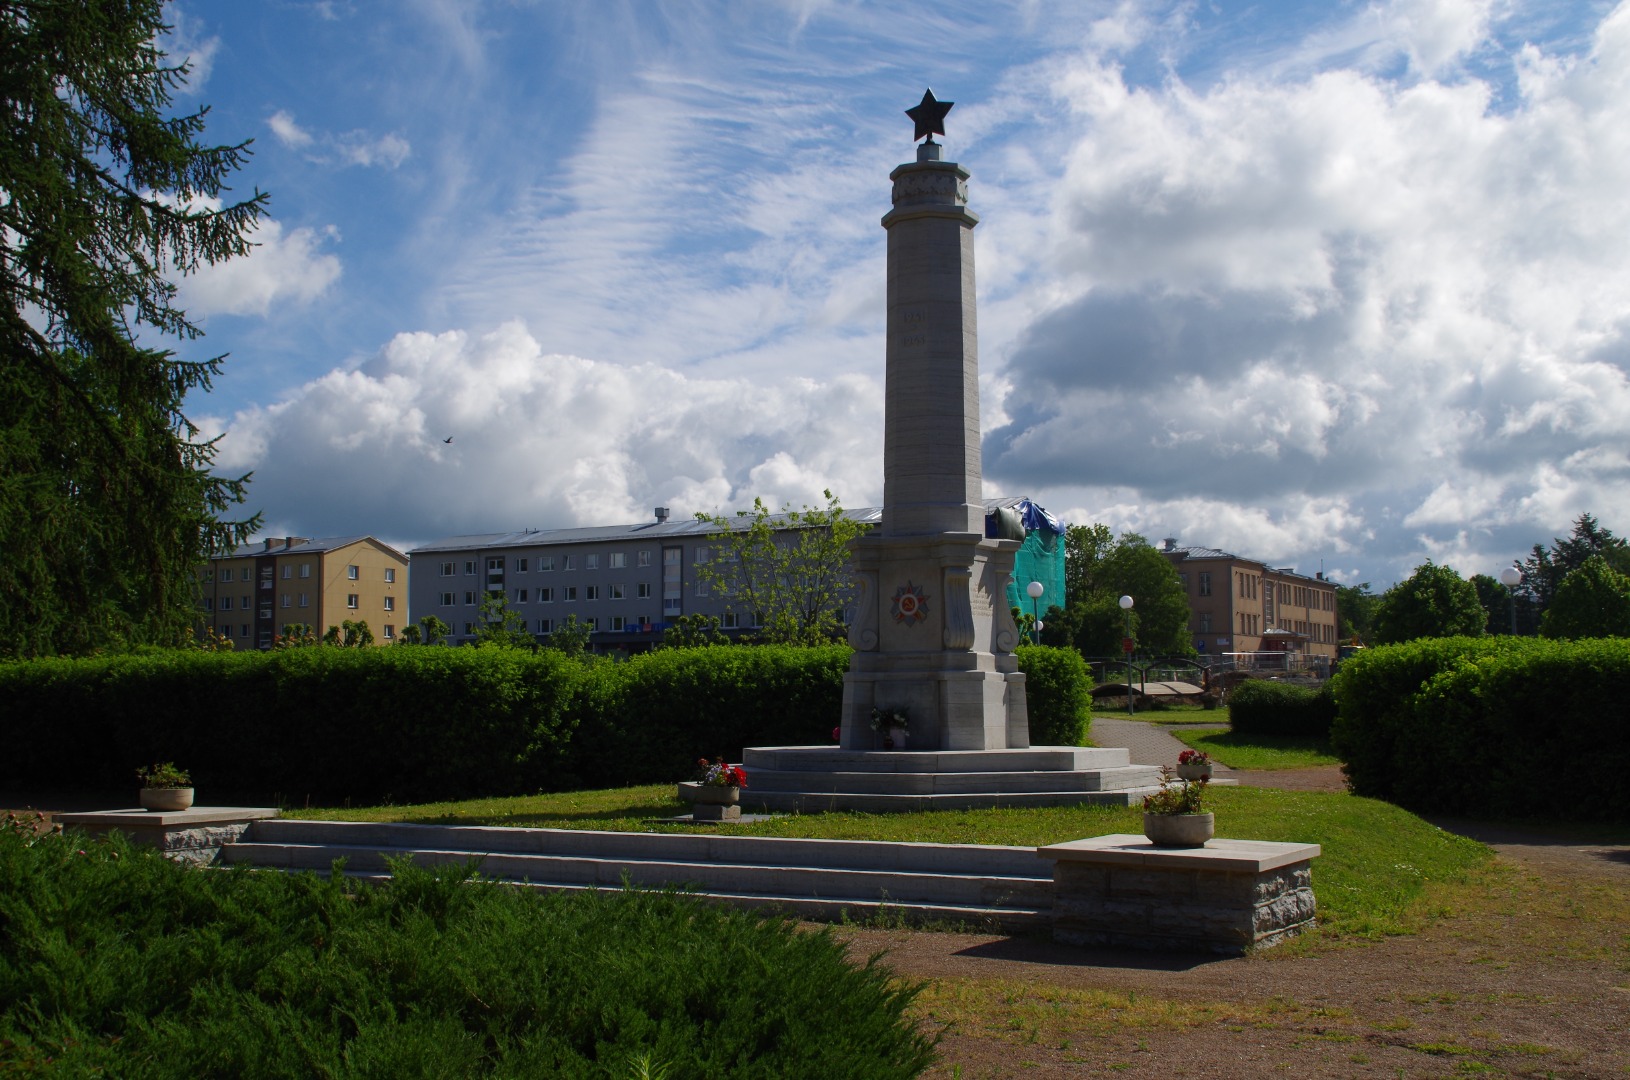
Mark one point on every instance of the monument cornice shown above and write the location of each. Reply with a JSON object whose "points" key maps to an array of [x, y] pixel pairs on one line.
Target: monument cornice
{"points": [[930, 210]]}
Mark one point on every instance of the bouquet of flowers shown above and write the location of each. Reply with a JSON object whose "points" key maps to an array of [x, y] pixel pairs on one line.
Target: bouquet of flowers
{"points": [[884, 719], [719, 774], [1194, 757]]}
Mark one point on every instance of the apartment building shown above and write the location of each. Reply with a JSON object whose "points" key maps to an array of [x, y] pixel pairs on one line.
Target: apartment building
{"points": [[627, 583], [1240, 605], [249, 595]]}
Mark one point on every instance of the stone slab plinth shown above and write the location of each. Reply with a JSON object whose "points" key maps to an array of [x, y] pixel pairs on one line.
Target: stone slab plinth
{"points": [[191, 836], [1227, 897]]}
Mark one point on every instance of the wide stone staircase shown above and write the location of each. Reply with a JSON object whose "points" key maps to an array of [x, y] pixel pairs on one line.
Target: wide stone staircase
{"points": [[860, 880]]}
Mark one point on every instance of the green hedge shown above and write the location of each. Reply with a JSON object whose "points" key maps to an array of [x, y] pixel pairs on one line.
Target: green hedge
{"points": [[1263, 707], [118, 962], [1058, 694], [1503, 727], [321, 726]]}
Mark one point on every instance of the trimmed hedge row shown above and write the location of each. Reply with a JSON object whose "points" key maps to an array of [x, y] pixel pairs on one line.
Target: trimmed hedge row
{"points": [[1263, 707], [324, 725], [1058, 694], [1500, 726]]}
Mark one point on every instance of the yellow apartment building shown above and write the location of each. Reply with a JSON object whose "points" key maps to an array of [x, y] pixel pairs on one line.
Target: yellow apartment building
{"points": [[1239, 605], [250, 595]]}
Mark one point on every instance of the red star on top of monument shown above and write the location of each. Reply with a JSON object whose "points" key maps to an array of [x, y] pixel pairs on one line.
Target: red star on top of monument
{"points": [[929, 116]]}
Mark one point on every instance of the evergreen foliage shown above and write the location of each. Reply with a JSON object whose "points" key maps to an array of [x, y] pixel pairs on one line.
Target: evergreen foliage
{"points": [[1355, 612], [107, 503], [118, 962], [1432, 602], [1098, 571], [1058, 695], [1264, 707]]}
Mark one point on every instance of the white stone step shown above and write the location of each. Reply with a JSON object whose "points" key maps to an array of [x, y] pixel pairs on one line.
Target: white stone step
{"points": [[1031, 759], [954, 783]]}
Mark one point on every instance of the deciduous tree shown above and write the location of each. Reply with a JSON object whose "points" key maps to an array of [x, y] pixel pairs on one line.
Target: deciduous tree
{"points": [[1434, 601], [107, 501], [1593, 601]]}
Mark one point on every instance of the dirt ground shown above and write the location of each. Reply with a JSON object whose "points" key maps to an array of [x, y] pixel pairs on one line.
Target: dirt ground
{"points": [[1528, 977]]}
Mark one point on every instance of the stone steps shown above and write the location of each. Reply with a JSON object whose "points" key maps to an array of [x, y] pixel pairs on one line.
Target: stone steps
{"points": [[823, 879]]}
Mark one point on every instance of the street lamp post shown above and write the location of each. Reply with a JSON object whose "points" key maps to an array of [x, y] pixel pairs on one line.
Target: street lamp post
{"points": [[1034, 590], [1511, 577], [1131, 703]]}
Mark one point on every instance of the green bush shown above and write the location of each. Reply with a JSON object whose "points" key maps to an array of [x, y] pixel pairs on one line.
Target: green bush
{"points": [[1263, 707], [117, 962], [1489, 726], [1058, 694], [323, 726]]}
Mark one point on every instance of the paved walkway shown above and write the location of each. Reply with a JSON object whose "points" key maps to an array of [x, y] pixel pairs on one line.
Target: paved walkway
{"points": [[1150, 744]]}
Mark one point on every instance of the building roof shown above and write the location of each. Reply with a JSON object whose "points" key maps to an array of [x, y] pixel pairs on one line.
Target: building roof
{"points": [[645, 530], [1216, 553], [304, 547]]}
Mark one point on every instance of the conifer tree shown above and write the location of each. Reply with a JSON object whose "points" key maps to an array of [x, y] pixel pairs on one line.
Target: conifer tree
{"points": [[107, 501]]}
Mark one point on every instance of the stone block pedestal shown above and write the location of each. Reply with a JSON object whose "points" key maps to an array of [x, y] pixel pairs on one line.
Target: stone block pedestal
{"points": [[1229, 896], [190, 836]]}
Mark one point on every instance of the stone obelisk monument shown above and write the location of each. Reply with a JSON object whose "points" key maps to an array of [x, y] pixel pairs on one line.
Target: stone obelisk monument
{"points": [[933, 635]]}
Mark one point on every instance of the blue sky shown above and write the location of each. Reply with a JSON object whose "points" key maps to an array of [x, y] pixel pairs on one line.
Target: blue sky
{"points": [[1329, 285]]}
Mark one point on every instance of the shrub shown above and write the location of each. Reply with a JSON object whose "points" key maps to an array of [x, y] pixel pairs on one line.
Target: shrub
{"points": [[134, 966], [1262, 707], [1058, 694], [1488, 726]]}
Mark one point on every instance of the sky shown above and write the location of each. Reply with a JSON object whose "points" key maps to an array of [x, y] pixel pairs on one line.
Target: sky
{"points": [[1335, 286]]}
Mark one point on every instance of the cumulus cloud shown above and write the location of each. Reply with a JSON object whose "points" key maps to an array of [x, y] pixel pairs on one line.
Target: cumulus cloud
{"points": [[187, 43], [1376, 294], [544, 440], [285, 266]]}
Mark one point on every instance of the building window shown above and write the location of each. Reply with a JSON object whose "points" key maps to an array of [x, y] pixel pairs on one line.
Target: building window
{"points": [[571, 593], [731, 620], [305, 570], [618, 560], [226, 603], [390, 603], [618, 623], [303, 601], [591, 592], [520, 596], [671, 606], [546, 596], [619, 592], [703, 553], [1184, 578], [448, 599], [495, 564], [701, 587], [544, 626], [566, 563], [469, 598], [286, 600], [520, 566], [351, 572], [243, 630], [209, 603], [1205, 584], [390, 631], [546, 562], [209, 575], [643, 590], [446, 569], [288, 571], [469, 568], [592, 623], [390, 574], [1205, 622], [226, 573], [591, 562], [644, 557], [351, 600]]}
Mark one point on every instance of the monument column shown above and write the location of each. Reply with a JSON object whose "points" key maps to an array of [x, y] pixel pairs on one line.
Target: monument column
{"points": [[933, 634]]}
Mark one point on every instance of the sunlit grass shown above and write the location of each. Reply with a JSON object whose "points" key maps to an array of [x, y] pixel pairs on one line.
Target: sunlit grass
{"points": [[1239, 751]]}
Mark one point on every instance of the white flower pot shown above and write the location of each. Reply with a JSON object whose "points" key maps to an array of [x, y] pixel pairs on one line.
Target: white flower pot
{"points": [[1195, 772], [713, 795], [1179, 830], [166, 798]]}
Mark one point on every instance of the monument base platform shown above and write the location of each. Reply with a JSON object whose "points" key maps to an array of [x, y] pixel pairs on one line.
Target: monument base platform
{"points": [[811, 779]]}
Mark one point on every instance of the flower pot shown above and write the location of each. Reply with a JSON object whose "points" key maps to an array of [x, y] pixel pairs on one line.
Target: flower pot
{"points": [[713, 795], [897, 736], [166, 798], [1192, 771], [1179, 830]]}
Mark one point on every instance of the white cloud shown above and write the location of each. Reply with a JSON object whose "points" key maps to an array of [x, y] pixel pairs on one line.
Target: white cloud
{"points": [[544, 440], [348, 148], [286, 266], [186, 43]]}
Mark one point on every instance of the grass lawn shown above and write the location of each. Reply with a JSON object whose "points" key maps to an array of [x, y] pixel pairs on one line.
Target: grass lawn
{"points": [[1377, 865], [1168, 714], [1260, 751]]}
